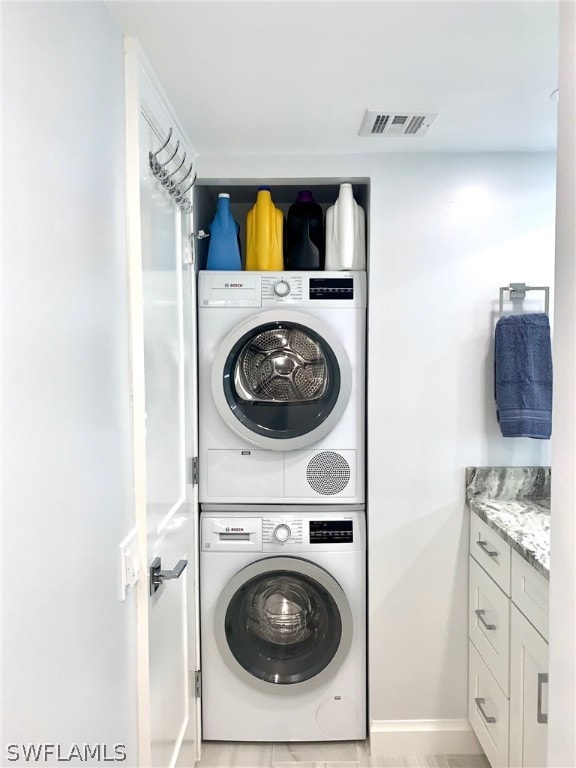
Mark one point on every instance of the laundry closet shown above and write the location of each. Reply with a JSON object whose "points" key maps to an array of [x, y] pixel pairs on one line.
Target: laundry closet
{"points": [[281, 364], [267, 368]]}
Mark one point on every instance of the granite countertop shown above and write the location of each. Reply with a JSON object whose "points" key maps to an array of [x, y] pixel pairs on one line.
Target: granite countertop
{"points": [[515, 502]]}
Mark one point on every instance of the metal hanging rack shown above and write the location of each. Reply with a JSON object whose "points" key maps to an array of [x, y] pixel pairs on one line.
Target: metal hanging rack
{"points": [[164, 173], [519, 290]]}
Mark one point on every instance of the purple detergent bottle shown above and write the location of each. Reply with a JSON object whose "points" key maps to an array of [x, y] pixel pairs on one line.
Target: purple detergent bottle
{"points": [[305, 233]]}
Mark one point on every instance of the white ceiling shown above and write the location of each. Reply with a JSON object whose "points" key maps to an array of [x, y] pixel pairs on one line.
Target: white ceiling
{"points": [[296, 77]]}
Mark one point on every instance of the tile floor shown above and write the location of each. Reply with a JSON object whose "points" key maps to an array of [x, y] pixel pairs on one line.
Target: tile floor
{"points": [[346, 754]]}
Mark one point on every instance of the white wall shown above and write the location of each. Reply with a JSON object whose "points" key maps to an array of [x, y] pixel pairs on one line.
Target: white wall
{"points": [[443, 252], [446, 231], [562, 740], [69, 644]]}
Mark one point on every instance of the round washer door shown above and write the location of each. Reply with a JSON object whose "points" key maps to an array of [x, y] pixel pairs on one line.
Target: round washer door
{"points": [[283, 621], [281, 380]]}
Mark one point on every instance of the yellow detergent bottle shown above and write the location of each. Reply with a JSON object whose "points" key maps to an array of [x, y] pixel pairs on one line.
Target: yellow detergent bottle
{"points": [[264, 234]]}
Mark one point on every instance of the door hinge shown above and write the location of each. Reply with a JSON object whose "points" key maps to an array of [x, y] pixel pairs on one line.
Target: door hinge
{"points": [[198, 684], [193, 471], [191, 250], [189, 255]]}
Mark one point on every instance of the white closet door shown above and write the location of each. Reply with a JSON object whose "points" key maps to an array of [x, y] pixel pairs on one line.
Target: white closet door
{"points": [[163, 332]]}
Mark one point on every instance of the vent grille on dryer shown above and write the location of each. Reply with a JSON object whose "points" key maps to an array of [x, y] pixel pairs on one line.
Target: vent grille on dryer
{"points": [[328, 473]]}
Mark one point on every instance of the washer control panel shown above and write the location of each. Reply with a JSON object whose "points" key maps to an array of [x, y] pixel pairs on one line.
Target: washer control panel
{"points": [[331, 532], [282, 530], [288, 531]]}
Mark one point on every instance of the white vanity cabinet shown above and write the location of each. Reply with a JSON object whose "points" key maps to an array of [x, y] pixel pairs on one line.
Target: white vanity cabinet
{"points": [[528, 693], [508, 651]]}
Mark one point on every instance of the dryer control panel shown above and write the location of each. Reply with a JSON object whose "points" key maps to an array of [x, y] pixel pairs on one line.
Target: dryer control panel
{"points": [[279, 289], [221, 290]]}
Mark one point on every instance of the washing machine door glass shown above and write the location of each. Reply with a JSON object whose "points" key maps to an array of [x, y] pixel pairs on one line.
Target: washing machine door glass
{"points": [[281, 382], [283, 625]]}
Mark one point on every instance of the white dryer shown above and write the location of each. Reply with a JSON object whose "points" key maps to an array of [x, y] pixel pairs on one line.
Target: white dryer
{"points": [[283, 624], [281, 386]]}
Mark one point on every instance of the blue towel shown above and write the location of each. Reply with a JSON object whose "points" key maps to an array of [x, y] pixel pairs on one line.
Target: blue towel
{"points": [[523, 376]]}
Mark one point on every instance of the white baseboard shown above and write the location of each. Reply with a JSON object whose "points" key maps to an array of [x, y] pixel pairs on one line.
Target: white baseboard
{"points": [[423, 737]]}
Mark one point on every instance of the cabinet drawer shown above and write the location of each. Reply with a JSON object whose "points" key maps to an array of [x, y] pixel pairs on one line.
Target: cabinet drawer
{"points": [[528, 694], [489, 623], [491, 551], [488, 710], [530, 593]]}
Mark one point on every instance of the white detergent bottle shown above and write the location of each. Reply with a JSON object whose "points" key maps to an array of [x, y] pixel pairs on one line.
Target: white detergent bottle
{"points": [[345, 233]]}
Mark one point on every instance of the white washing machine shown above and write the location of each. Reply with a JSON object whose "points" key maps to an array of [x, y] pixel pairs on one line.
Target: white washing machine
{"points": [[281, 387], [283, 624]]}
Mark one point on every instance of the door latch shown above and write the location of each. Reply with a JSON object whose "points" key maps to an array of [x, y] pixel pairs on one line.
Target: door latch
{"points": [[158, 576], [193, 471]]}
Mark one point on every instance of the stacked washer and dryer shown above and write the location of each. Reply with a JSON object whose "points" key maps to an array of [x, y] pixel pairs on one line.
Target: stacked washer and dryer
{"points": [[282, 524]]}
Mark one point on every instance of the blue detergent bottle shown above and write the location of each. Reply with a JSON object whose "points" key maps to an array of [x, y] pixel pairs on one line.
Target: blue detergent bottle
{"points": [[223, 250]]}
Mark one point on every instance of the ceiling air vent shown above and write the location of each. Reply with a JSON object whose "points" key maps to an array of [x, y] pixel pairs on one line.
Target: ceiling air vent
{"points": [[382, 123]]}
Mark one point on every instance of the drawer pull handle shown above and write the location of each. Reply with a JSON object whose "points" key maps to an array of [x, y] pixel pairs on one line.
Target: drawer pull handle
{"points": [[487, 718], [541, 717], [480, 613], [484, 547]]}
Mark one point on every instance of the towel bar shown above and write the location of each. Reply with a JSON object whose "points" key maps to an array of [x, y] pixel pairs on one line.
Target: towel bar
{"points": [[518, 291]]}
